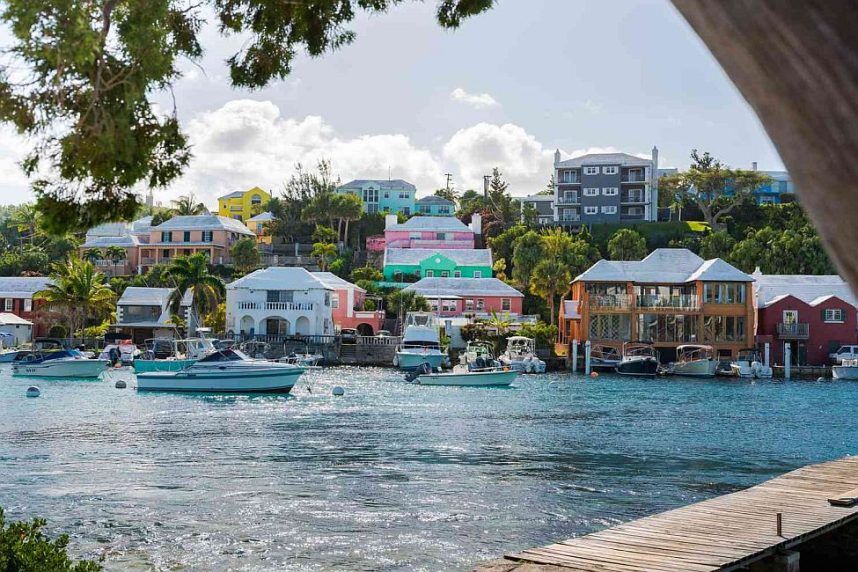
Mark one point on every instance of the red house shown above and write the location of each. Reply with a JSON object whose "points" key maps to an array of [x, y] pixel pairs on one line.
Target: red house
{"points": [[16, 297], [814, 315]]}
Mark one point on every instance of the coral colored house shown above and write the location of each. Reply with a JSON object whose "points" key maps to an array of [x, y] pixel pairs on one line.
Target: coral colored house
{"points": [[430, 232], [813, 315], [347, 303], [458, 296]]}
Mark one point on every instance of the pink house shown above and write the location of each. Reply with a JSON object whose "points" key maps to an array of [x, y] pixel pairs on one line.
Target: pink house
{"points": [[430, 232], [458, 296], [375, 243], [347, 303], [185, 235]]}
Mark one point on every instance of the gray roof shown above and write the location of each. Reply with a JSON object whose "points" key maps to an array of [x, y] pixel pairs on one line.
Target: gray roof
{"points": [[142, 296], [462, 257], [435, 200], [463, 287], [333, 281], [393, 184], [103, 241], [22, 286], [232, 195], [8, 319], [109, 229], [537, 199], [622, 159], [261, 217], [664, 266], [204, 222], [770, 288], [280, 278], [435, 223], [142, 224]]}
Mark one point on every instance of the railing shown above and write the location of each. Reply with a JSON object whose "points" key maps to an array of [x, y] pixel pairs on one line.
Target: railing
{"points": [[610, 301], [795, 331], [569, 200], [147, 261], [379, 341], [683, 301], [634, 179], [369, 314], [636, 198], [309, 306], [570, 218]]}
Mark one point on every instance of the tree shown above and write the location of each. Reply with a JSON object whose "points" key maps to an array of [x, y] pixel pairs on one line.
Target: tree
{"points": [[25, 548], [527, 252], [324, 253], [790, 251], [191, 273], [115, 254], [245, 254], [529, 215], [26, 219], [717, 245], [79, 292], [448, 194], [470, 202], [627, 244], [324, 234], [500, 204], [186, 205], [713, 187], [348, 208], [93, 255], [216, 319], [550, 277], [403, 301]]}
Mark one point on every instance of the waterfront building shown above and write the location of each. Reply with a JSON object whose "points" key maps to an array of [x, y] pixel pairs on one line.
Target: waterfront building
{"points": [[431, 232], [348, 306], [213, 235], [605, 187], [435, 206], [476, 296], [542, 204], [400, 264], [127, 236], [16, 297], [242, 205], [144, 313], [671, 297], [813, 315], [383, 196], [258, 225], [279, 301], [15, 330]]}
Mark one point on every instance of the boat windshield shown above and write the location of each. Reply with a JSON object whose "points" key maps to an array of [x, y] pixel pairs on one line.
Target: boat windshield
{"points": [[689, 353], [421, 319], [230, 354]]}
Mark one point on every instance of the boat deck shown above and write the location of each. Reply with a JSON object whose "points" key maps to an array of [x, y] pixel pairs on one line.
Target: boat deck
{"points": [[723, 533]]}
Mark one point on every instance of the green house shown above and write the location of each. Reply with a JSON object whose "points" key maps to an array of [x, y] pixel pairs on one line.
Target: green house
{"points": [[408, 264]]}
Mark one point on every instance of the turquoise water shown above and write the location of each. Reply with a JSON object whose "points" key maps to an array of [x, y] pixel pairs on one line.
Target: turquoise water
{"points": [[391, 476]]}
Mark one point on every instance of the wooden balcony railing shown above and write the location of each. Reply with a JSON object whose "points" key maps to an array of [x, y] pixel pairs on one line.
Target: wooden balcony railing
{"points": [[794, 331]]}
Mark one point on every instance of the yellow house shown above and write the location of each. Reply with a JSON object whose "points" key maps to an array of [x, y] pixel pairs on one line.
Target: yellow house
{"points": [[242, 205]]}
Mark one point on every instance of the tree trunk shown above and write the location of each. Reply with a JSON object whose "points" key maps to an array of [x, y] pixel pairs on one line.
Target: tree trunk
{"points": [[796, 63], [551, 305]]}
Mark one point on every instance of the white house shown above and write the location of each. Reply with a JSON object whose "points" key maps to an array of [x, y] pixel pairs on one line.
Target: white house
{"points": [[279, 301], [15, 330], [144, 313]]}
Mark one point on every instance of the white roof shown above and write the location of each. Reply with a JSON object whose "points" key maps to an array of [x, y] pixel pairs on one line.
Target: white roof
{"points": [[335, 282], [22, 286], [623, 159], [204, 222], [124, 241], [262, 217], [7, 319], [537, 198], [109, 229], [461, 256], [142, 296], [438, 223], [664, 266], [813, 290], [460, 287], [280, 278], [142, 224]]}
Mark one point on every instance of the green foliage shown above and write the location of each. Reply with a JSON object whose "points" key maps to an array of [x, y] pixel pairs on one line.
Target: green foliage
{"points": [[502, 245], [717, 245], [216, 319], [192, 273], [366, 274], [25, 548], [400, 302], [543, 333], [324, 253], [791, 251], [657, 234], [324, 234], [627, 244], [448, 194], [24, 261], [186, 205], [550, 278], [527, 252], [245, 255], [79, 292]]}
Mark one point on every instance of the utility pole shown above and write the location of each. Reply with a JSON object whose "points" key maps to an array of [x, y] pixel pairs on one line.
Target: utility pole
{"points": [[449, 180], [486, 179]]}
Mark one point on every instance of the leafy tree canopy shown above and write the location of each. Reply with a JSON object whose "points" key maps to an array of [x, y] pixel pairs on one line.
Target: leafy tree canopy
{"points": [[627, 244]]}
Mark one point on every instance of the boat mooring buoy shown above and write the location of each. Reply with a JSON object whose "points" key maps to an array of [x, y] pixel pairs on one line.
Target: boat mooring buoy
{"points": [[33, 391], [339, 391], [120, 384], [594, 374]]}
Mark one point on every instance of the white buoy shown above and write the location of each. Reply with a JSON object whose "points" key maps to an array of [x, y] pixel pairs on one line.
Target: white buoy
{"points": [[339, 391], [33, 391], [120, 384]]}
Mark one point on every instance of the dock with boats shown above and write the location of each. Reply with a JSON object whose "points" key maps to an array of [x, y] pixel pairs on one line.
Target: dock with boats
{"points": [[808, 515]]}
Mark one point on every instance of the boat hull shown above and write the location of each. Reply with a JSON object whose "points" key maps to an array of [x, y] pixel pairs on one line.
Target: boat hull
{"points": [[599, 364], [470, 379], [696, 368], [412, 360], [152, 365], [524, 365], [844, 372], [74, 368], [262, 380], [639, 367]]}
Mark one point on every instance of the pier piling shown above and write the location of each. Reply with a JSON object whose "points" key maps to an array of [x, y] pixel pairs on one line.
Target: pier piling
{"points": [[587, 357]]}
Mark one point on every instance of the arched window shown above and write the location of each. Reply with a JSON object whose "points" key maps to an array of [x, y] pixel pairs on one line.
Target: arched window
{"points": [[255, 200]]}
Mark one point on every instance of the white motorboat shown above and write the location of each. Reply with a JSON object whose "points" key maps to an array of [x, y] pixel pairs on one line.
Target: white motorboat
{"points": [[224, 371], [50, 359], [122, 351], [848, 369], [748, 365], [639, 360], [604, 358], [520, 355], [477, 368], [421, 342], [694, 361], [10, 355], [168, 354]]}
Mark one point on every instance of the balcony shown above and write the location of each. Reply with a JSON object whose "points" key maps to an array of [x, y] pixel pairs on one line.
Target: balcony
{"points": [[794, 331], [656, 302], [611, 301], [633, 178], [636, 198], [306, 306], [575, 200]]}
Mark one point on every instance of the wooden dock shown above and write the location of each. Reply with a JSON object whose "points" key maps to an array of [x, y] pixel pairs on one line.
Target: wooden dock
{"points": [[724, 533]]}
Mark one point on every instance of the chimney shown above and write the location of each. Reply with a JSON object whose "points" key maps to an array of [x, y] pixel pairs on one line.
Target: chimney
{"points": [[390, 220], [476, 223], [556, 157], [754, 166]]}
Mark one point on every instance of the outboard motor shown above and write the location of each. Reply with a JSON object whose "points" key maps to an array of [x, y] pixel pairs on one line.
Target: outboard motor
{"points": [[114, 355]]}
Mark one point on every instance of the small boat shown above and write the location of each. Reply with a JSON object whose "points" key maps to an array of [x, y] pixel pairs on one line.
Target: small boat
{"points": [[50, 358], [477, 368], [694, 361], [121, 351], [168, 354], [604, 358], [639, 360], [421, 342], [848, 369], [520, 355], [9, 355], [224, 371], [748, 365]]}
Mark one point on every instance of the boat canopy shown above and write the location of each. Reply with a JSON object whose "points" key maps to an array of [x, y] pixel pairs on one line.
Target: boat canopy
{"points": [[229, 354]]}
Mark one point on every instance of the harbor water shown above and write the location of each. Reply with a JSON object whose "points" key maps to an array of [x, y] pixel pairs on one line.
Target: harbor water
{"points": [[391, 476]]}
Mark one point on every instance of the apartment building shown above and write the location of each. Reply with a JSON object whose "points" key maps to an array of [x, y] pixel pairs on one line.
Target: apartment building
{"points": [[605, 187], [242, 205], [383, 196], [543, 205]]}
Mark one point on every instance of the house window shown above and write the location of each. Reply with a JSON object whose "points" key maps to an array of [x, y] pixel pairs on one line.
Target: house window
{"points": [[448, 305], [723, 293], [610, 191], [279, 295], [255, 200], [335, 301], [591, 192], [609, 210], [430, 274], [327, 298], [166, 236], [457, 273], [8, 305], [415, 235], [440, 236], [591, 210], [406, 211], [481, 304], [567, 177], [610, 170], [830, 315], [478, 273], [506, 304], [591, 170], [570, 197], [28, 304], [469, 305], [445, 274], [386, 194], [165, 254], [187, 236]]}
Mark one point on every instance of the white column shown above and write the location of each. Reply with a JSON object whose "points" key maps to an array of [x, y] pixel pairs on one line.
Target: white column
{"points": [[587, 357], [787, 360], [574, 355], [766, 354]]}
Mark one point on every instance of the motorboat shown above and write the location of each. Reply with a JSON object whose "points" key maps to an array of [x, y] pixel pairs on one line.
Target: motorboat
{"points": [[421, 342], [224, 371], [639, 360], [476, 368], [168, 354], [304, 358], [749, 365], [520, 355], [121, 351], [694, 361], [848, 369], [9, 356], [50, 358], [604, 358]]}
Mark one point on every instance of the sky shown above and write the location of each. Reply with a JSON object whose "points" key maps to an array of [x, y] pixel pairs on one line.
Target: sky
{"points": [[411, 100]]}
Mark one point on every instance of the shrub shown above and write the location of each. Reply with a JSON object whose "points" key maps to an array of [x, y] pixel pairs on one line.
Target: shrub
{"points": [[24, 548]]}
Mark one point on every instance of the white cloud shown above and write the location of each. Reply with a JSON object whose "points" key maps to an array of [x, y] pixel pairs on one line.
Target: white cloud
{"points": [[14, 187], [475, 100]]}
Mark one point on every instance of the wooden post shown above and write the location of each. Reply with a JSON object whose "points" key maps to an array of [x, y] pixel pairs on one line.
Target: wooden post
{"points": [[766, 354], [587, 357], [780, 519], [787, 360], [574, 356]]}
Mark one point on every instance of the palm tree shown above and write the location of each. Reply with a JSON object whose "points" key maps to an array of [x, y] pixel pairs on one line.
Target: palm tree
{"points": [[192, 273], [350, 208], [79, 292], [185, 205], [93, 255], [25, 219], [324, 253], [549, 278], [115, 254]]}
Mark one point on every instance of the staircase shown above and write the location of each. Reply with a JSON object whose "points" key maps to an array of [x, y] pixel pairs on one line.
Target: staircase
{"points": [[393, 325]]}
